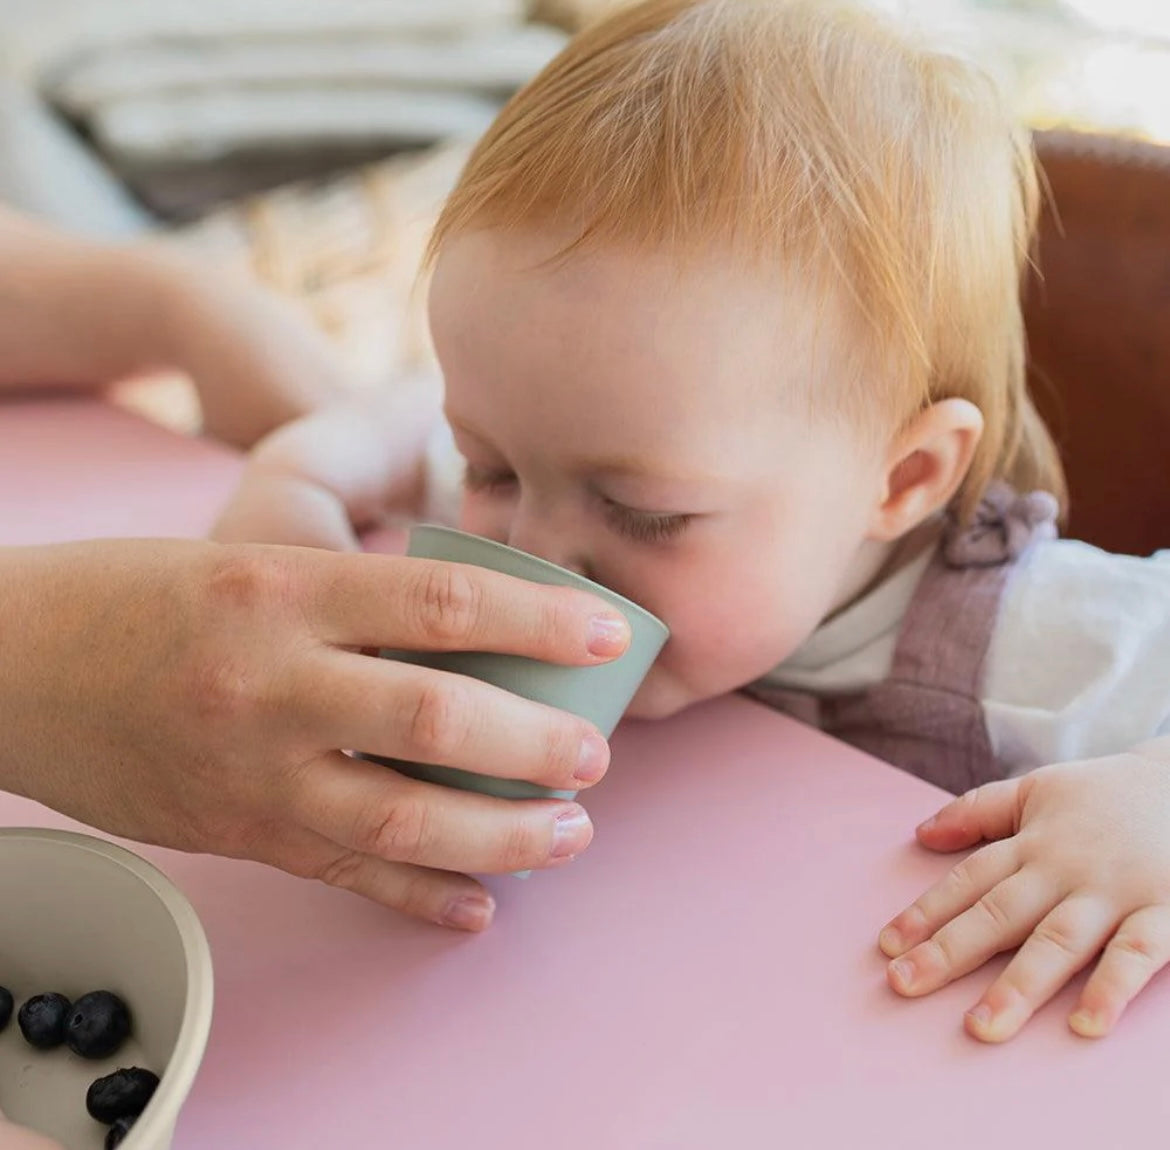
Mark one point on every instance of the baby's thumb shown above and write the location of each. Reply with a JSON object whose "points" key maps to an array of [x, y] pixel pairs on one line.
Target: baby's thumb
{"points": [[988, 812]]}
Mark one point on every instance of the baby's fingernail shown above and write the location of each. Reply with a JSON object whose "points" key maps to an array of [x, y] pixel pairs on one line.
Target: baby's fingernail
{"points": [[469, 912], [902, 972], [980, 1016], [592, 759], [1088, 1024], [990, 1025], [608, 635], [891, 941], [928, 824]]}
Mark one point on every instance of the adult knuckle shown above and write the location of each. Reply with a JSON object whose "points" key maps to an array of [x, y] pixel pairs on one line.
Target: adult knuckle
{"points": [[451, 604], [561, 742], [224, 689], [245, 579], [521, 847], [343, 870], [555, 619], [417, 897], [437, 723], [402, 831]]}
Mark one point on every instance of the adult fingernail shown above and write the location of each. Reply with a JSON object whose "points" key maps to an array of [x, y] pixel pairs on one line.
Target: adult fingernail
{"points": [[891, 941], [902, 972], [608, 635], [571, 833], [592, 759], [469, 912]]}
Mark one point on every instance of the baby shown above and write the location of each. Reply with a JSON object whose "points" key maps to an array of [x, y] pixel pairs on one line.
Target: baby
{"points": [[727, 305]]}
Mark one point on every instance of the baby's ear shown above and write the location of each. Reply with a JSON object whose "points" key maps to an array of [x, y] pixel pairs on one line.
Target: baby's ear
{"points": [[927, 462]]}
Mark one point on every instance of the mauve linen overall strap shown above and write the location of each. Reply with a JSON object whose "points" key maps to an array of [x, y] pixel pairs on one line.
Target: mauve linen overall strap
{"points": [[927, 716]]}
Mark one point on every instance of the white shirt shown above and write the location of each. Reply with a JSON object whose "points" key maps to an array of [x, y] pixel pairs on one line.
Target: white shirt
{"points": [[1078, 665]]}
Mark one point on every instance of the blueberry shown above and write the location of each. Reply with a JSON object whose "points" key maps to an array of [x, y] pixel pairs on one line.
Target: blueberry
{"points": [[98, 1024], [5, 1007], [118, 1131], [123, 1094], [42, 1020]]}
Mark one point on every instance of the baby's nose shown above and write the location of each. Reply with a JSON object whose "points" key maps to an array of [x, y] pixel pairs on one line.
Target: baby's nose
{"points": [[557, 547]]}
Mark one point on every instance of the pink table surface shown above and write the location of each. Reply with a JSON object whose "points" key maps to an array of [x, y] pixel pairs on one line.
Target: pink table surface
{"points": [[705, 976]]}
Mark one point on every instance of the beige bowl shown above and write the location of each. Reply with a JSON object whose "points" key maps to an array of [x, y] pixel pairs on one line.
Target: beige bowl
{"points": [[79, 914]]}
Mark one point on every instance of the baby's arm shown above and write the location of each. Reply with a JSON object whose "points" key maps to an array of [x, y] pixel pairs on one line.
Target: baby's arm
{"points": [[323, 479]]}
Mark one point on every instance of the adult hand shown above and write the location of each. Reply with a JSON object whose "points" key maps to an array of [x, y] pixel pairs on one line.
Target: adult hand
{"points": [[199, 695], [20, 1138]]}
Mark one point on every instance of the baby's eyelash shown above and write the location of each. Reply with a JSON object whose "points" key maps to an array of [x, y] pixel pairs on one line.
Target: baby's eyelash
{"points": [[485, 479], [645, 526]]}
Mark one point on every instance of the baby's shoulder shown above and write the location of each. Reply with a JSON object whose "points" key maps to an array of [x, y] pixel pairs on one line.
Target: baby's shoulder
{"points": [[1065, 587], [1077, 664]]}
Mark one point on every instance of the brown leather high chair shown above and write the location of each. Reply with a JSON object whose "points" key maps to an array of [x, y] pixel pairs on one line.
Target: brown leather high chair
{"points": [[1098, 316]]}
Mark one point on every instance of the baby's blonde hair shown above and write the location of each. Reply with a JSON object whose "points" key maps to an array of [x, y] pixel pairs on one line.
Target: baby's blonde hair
{"points": [[812, 135]]}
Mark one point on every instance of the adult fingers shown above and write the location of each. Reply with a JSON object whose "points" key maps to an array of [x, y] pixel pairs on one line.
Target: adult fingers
{"points": [[372, 810], [443, 897], [404, 711], [426, 605]]}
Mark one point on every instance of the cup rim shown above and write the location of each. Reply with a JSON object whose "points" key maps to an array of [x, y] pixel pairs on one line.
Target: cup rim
{"points": [[582, 582], [195, 1027]]}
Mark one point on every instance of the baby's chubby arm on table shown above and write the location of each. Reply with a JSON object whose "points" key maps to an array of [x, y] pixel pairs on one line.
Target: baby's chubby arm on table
{"points": [[1077, 864], [321, 480]]}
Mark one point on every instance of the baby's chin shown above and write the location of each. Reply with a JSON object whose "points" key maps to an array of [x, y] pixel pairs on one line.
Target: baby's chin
{"points": [[659, 697]]}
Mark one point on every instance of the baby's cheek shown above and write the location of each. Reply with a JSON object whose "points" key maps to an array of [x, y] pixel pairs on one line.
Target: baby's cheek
{"points": [[663, 693], [478, 516], [657, 698]]}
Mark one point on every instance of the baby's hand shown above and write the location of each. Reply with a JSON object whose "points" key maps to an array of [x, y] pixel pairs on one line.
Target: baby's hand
{"points": [[322, 480], [1081, 863]]}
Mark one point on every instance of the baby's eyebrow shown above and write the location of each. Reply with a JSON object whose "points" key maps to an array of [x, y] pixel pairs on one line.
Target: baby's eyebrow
{"points": [[627, 466], [643, 467]]}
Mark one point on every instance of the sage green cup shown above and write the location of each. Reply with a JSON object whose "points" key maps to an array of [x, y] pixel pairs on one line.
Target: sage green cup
{"points": [[600, 694]]}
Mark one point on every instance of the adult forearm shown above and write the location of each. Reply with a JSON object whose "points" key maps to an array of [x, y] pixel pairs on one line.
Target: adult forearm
{"points": [[77, 313]]}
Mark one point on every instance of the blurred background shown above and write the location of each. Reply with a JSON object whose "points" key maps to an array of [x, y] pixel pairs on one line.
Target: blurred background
{"points": [[308, 142]]}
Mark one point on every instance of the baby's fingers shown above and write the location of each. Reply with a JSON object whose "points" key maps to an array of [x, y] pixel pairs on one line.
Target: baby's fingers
{"points": [[961, 888], [998, 921], [1062, 943], [1139, 949], [988, 812]]}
